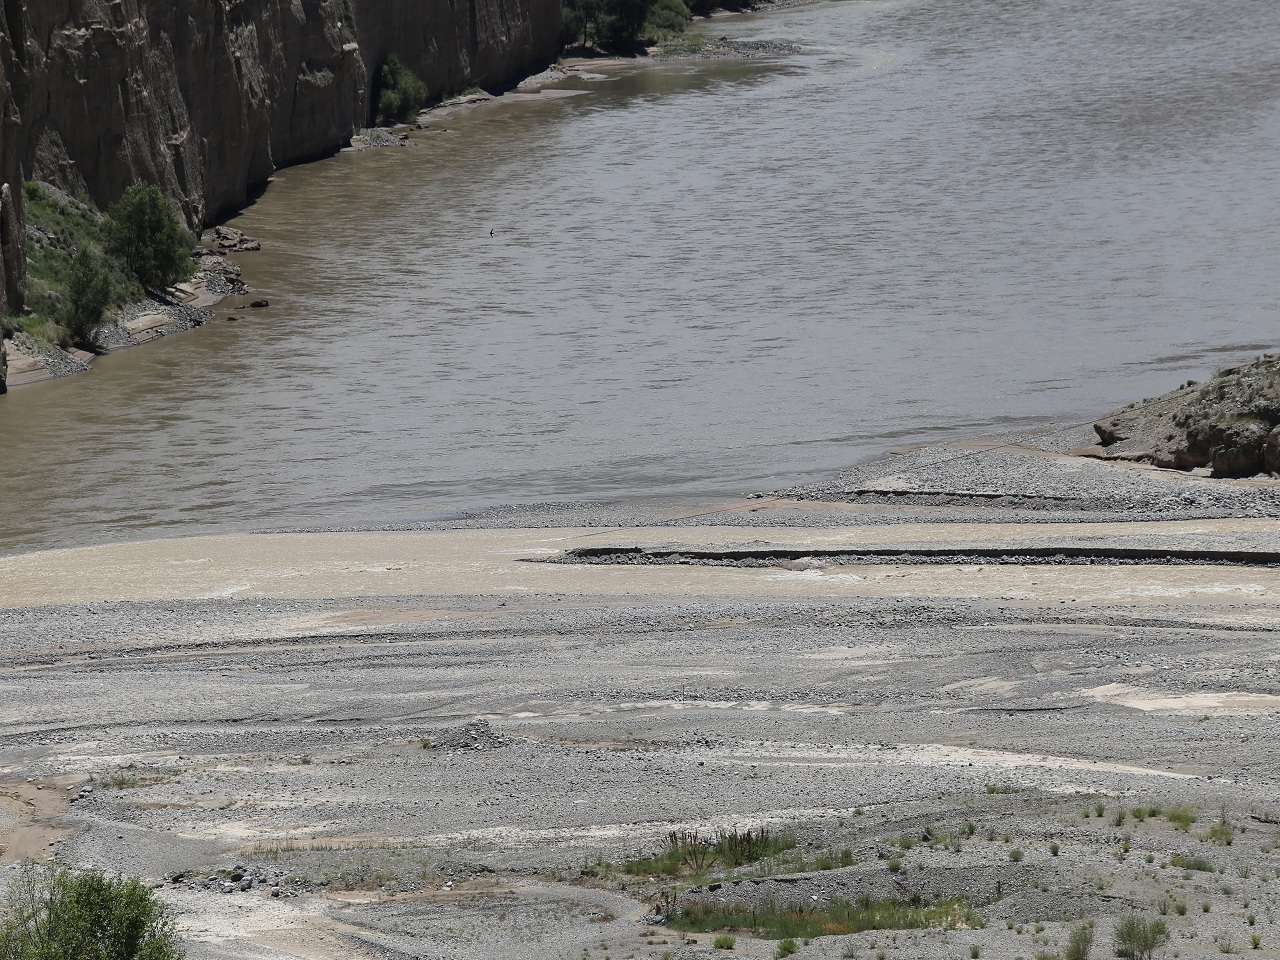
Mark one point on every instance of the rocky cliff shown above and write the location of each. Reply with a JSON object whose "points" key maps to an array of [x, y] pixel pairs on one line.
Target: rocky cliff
{"points": [[207, 97]]}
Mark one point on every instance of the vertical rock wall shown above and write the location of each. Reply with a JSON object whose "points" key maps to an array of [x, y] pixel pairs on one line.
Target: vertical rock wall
{"points": [[207, 97]]}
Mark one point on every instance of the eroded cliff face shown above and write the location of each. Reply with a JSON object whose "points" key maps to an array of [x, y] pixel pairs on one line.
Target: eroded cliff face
{"points": [[207, 97]]}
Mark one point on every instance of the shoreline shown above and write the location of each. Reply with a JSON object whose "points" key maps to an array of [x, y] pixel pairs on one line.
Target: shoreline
{"points": [[31, 361]]}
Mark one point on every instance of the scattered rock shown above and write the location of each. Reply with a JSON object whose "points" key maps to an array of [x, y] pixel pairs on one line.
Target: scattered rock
{"points": [[230, 240], [259, 304], [378, 137]]}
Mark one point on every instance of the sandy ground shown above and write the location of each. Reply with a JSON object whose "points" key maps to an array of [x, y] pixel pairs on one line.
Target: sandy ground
{"points": [[302, 711]]}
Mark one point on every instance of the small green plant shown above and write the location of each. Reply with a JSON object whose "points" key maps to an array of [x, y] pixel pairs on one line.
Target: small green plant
{"points": [[724, 941], [975, 952], [1100, 809], [1180, 908], [1080, 943], [1187, 862], [400, 93], [1222, 832], [1182, 817], [1015, 856], [1137, 938], [895, 865], [1255, 940], [1206, 906], [786, 948], [1053, 849], [1119, 817]]}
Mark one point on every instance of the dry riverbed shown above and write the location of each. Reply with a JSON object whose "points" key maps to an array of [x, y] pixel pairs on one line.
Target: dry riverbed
{"points": [[451, 742]]}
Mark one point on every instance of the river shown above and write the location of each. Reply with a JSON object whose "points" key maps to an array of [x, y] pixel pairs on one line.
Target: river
{"points": [[938, 218]]}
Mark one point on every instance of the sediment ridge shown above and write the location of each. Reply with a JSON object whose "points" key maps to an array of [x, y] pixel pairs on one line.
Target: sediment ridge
{"points": [[207, 100]]}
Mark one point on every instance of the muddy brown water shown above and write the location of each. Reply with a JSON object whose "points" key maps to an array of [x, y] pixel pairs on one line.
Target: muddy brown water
{"points": [[939, 218]]}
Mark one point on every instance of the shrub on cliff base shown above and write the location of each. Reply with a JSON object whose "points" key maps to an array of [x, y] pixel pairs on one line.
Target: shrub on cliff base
{"points": [[53, 912], [610, 24], [400, 93], [621, 22], [666, 16], [88, 293], [144, 232]]}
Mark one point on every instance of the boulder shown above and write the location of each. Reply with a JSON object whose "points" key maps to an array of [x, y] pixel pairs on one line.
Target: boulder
{"points": [[1271, 452], [1239, 453]]}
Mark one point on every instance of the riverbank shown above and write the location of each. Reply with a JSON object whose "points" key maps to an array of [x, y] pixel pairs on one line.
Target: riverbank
{"points": [[32, 359], [452, 742]]}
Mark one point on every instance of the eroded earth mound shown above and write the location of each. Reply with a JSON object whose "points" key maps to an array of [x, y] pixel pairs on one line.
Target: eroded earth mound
{"points": [[1230, 425]]}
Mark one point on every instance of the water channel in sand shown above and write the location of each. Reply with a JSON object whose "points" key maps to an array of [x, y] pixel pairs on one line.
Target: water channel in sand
{"points": [[939, 218]]}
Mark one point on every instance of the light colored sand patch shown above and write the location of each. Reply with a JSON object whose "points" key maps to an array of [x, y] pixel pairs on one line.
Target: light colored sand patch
{"points": [[1139, 698], [492, 563], [934, 755], [292, 927], [939, 755], [29, 826]]}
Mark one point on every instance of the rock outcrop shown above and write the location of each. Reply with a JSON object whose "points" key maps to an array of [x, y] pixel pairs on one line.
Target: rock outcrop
{"points": [[1231, 424], [207, 97]]}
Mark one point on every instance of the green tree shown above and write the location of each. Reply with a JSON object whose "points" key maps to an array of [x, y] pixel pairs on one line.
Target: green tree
{"points": [[666, 16], [144, 232], [53, 913], [621, 22], [1139, 939], [400, 93], [88, 292]]}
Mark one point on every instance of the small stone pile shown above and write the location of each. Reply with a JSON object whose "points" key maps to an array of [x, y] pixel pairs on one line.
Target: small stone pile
{"points": [[476, 735]]}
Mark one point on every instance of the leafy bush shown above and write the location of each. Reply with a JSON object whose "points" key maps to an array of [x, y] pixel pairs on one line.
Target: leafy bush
{"points": [[689, 850], [54, 913], [59, 229], [1080, 943], [611, 24], [666, 16], [88, 293], [786, 948], [621, 22], [1139, 939], [724, 941], [145, 234], [400, 93]]}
